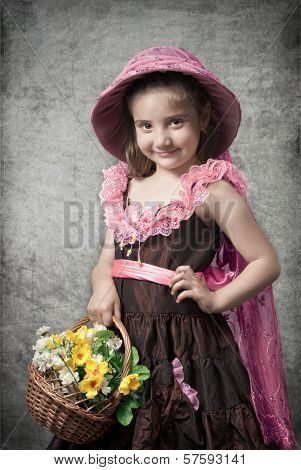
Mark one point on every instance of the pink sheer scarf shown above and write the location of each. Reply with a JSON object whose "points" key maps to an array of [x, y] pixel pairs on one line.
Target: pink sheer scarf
{"points": [[254, 325], [255, 328]]}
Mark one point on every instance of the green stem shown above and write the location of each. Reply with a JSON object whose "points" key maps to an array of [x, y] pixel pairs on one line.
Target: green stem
{"points": [[71, 372]]}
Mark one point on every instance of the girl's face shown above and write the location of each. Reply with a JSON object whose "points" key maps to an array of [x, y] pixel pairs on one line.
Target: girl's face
{"points": [[167, 135]]}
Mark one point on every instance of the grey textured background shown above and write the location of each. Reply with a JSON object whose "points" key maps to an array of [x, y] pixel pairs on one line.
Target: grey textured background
{"points": [[57, 56]]}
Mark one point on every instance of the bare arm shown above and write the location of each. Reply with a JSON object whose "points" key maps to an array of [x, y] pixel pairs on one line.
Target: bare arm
{"points": [[231, 212], [105, 300], [103, 269]]}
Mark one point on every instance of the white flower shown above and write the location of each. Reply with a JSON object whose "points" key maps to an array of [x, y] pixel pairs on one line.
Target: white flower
{"points": [[41, 343], [99, 358], [56, 360], [60, 351], [114, 343], [104, 388], [66, 377], [90, 335], [42, 361], [99, 327], [42, 330]]}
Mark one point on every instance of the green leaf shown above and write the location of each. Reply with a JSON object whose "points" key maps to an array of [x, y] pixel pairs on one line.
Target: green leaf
{"points": [[124, 413], [108, 377], [131, 401], [104, 334], [134, 357], [117, 363], [115, 381], [143, 372], [81, 372], [102, 348]]}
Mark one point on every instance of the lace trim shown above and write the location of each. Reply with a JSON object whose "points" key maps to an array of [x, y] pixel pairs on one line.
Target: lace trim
{"points": [[149, 61], [136, 223]]}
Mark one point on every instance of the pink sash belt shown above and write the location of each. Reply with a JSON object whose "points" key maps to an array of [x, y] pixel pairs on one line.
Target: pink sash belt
{"points": [[215, 278]]}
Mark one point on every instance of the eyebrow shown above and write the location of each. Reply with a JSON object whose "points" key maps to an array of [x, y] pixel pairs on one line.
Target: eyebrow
{"points": [[167, 117]]}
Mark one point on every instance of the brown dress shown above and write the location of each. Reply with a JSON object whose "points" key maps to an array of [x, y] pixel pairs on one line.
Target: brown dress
{"points": [[163, 330]]}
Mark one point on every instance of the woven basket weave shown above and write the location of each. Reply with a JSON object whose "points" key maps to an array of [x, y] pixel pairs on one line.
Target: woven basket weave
{"points": [[61, 413]]}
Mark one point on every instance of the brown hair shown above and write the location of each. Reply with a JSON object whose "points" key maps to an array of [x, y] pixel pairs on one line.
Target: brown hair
{"points": [[183, 89]]}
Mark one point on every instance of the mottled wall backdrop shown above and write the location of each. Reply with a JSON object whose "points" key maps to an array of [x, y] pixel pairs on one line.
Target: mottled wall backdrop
{"points": [[57, 56]]}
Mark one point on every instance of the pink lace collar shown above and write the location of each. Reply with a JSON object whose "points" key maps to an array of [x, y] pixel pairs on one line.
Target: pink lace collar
{"points": [[137, 223]]}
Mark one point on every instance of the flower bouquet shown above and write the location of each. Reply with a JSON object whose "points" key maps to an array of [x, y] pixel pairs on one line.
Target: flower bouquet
{"points": [[80, 381]]}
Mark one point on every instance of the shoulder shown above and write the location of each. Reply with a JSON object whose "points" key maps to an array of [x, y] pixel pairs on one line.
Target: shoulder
{"points": [[214, 170], [217, 192], [221, 175], [226, 207], [222, 189], [222, 183]]}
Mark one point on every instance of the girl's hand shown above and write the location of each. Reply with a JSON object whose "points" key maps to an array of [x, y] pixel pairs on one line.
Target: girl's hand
{"points": [[195, 289], [104, 303]]}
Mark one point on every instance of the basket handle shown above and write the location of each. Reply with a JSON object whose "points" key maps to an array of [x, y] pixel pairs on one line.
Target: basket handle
{"points": [[127, 342]]}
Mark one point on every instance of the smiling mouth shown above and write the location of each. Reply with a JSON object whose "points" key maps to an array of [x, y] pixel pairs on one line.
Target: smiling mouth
{"points": [[164, 154]]}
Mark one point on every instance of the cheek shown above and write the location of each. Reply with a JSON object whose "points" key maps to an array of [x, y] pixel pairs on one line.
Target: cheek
{"points": [[142, 140], [190, 139]]}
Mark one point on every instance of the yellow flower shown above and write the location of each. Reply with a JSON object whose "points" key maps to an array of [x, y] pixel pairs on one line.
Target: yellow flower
{"points": [[81, 336], [82, 333], [57, 338], [75, 337], [90, 385], [70, 363], [54, 340], [50, 344], [81, 353], [93, 368], [72, 337], [129, 383]]}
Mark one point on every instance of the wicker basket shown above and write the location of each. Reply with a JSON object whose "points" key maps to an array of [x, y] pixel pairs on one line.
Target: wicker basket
{"points": [[62, 414]]}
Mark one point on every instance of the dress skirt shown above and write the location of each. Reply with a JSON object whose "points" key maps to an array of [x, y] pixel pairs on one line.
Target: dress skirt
{"points": [[205, 346]]}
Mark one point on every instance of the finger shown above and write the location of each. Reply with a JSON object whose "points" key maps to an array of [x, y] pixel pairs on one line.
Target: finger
{"points": [[187, 294], [107, 319], [99, 319], [183, 268], [91, 317], [177, 278], [182, 284]]}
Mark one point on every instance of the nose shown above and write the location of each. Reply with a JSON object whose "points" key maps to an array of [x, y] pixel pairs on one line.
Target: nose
{"points": [[162, 139]]}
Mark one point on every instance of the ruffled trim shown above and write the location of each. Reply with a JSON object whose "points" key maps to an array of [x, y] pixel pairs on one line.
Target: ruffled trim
{"points": [[190, 392], [138, 223]]}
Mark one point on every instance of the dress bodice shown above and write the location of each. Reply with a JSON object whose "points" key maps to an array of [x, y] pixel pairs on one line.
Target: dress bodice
{"points": [[192, 243], [168, 236]]}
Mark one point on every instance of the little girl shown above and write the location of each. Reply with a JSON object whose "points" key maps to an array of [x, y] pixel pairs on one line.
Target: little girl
{"points": [[184, 264]]}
